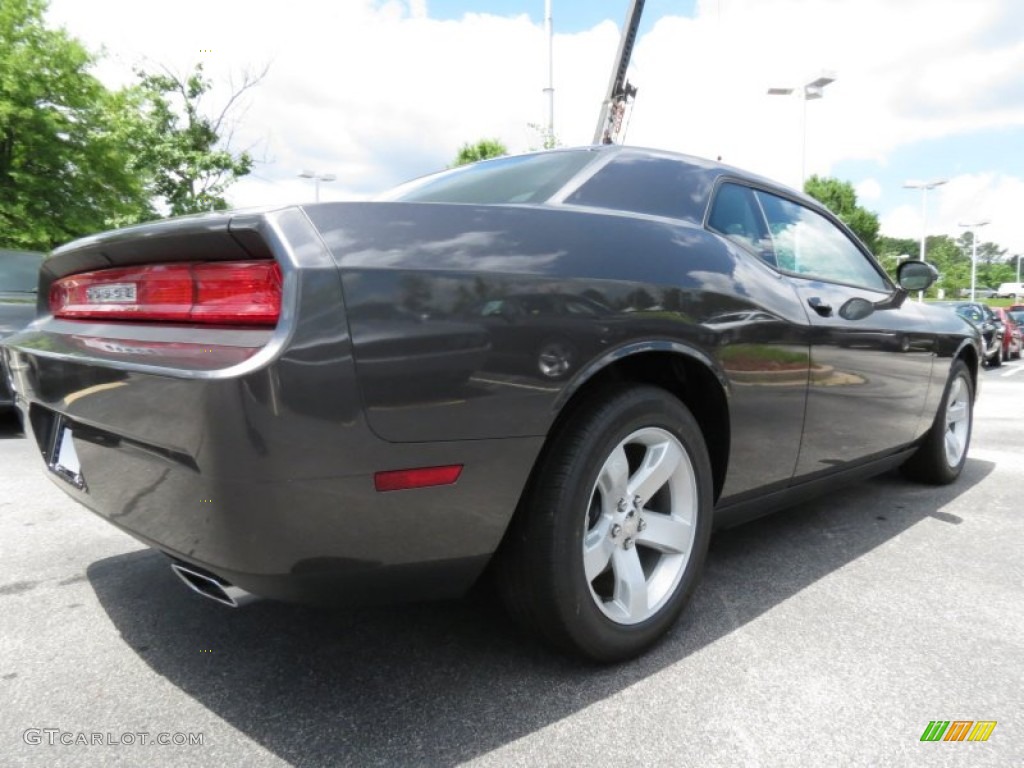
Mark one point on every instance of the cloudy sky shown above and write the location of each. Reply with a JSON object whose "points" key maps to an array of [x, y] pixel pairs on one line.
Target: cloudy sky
{"points": [[380, 91]]}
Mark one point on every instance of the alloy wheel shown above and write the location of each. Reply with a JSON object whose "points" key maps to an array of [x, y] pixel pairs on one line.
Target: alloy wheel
{"points": [[640, 525], [958, 421]]}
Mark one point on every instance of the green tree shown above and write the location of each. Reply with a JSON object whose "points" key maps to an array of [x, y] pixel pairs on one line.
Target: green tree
{"points": [[67, 144], [953, 263], [840, 198], [189, 155], [890, 250], [993, 267], [482, 150], [941, 250]]}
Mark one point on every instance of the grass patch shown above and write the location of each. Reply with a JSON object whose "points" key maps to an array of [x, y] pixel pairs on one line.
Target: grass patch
{"points": [[991, 302], [762, 357]]}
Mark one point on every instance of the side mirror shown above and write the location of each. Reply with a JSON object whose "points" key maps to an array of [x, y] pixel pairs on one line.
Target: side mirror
{"points": [[916, 275]]}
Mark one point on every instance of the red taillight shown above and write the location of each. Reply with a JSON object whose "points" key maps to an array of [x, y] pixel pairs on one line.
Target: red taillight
{"points": [[223, 292], [404, 479]]}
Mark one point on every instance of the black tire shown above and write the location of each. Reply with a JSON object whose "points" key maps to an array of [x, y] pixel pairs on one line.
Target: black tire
{"points": [[997, 359], [931, 464], [540, 569]]}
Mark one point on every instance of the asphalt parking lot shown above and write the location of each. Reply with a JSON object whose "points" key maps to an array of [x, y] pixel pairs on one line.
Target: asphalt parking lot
{"points": [[828, 634]]}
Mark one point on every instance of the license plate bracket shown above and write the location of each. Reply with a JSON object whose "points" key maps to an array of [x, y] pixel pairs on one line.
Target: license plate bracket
{"points": [[64, 461]]}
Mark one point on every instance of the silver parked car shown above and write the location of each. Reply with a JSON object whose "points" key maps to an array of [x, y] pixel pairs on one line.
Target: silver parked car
{"points": [[19, 274]]}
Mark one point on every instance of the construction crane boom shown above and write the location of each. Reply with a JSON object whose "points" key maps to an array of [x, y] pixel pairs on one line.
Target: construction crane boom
{"points": [[620, 92]]}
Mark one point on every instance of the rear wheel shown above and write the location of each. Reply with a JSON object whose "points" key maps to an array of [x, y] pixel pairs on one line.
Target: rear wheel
{"points": [[611, 534], [942, 455]]}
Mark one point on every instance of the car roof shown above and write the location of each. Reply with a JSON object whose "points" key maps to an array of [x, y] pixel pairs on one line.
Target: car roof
{"points": [[712, 170]]}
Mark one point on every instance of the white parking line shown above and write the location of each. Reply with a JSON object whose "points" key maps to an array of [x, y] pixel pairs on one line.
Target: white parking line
{"points": [[1009, 458], [1012, 371]]}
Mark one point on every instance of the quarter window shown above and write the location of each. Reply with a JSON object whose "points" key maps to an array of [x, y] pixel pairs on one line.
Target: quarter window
{"points": [[737, 215], [653, 185]]}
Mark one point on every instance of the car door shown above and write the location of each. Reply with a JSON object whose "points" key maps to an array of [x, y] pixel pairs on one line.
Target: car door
{"points": [[869, 374], [765, 349]]}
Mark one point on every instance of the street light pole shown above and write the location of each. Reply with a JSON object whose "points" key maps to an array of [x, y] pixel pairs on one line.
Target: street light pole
{"points": [[924, 186], [974, 251], [809, 92], [317, 178], [549, 92]]}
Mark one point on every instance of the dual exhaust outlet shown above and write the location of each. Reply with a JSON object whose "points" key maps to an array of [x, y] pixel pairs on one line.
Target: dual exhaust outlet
{"points": [[212, 587]]}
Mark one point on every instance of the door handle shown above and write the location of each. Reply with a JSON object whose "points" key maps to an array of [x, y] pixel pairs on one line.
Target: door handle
{"points": [[822, 308]]}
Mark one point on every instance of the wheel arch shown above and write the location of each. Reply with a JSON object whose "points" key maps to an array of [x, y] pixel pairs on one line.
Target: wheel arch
{"points": [[687, 373], [968, 352]]}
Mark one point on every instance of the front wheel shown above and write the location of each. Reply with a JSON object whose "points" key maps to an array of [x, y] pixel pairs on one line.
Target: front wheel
{"points": [[942, 455], [611, 534], [997, 358]]}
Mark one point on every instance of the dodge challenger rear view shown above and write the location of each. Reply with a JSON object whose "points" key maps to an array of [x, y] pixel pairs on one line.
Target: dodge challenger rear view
{"points": [[565, 368]]}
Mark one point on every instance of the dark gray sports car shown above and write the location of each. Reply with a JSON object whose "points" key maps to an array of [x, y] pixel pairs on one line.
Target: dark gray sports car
{"points": [[567, 366]]}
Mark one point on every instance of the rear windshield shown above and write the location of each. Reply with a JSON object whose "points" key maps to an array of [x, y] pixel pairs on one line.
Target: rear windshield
{"points": [[521, 179], [19, 272], [971, 313]]}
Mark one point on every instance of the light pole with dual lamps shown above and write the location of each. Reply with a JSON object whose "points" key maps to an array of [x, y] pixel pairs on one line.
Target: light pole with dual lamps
{"points": [[317, 178], [808, 92], [924, 186], [974, 249]]}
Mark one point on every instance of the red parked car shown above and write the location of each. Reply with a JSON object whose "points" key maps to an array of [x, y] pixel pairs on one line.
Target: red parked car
{"points": [[1013, 337]]}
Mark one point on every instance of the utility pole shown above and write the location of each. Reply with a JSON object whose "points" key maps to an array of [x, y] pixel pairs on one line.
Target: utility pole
{"points": [[620, 92], [549, 92]]}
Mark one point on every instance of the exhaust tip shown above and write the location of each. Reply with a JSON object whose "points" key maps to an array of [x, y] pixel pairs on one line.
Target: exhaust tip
{"points": [[212, 587]]}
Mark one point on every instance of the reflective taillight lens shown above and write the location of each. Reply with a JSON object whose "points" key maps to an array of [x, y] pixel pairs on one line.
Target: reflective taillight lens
{"points": [[224, 292], [423, 477]]}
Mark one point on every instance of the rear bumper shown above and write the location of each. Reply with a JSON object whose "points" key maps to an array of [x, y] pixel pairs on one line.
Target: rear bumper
{"points": [[268, 495]]}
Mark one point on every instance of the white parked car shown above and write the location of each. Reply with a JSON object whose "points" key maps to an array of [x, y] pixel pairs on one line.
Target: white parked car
{"points": [[1010, 290]]}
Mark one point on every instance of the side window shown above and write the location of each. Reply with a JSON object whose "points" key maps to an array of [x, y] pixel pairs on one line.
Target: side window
{"points": [[806, 243], [736, 214]]}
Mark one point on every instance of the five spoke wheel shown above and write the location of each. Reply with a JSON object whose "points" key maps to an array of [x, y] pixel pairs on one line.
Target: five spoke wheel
{"points": [[640, 525], [610, 537], [958, 421], [942, 454]]}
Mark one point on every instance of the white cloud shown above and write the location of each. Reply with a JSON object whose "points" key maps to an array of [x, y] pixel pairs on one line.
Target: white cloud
{"points": [[867, 191], [906, 71], [992, 197], [377, 92]]}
